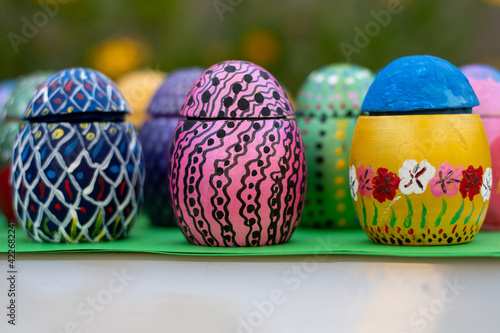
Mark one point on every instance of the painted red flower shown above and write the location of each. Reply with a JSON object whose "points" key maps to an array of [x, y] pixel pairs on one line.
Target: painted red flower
{"points": [[471, 182], [385, 184]]}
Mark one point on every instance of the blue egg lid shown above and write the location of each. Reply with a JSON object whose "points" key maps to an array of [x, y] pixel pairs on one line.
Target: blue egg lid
{"points": [[77, 93], [170, 96], [420, 83]]}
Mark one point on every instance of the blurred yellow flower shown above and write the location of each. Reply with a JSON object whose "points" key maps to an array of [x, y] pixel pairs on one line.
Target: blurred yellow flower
{"points": [[492, 2], [138, 87], [119, 56]]}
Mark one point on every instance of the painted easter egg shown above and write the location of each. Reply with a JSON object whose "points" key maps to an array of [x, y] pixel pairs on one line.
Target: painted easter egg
{"points": [[420, 167], [6, 88], [156, 136], [485, 81], [77, 168], [330, 101], [237, 172], [12, 113], [138, 87]]}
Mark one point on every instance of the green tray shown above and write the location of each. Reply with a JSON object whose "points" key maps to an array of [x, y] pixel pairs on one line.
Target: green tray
{"points": [[147, 239]]}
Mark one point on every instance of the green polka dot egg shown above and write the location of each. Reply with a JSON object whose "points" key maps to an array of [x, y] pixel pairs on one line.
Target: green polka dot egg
{"points": [[13, 111], [329, 102], [11, 114]]}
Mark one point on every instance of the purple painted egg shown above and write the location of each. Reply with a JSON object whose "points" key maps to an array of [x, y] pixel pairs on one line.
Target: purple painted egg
{"points": [[156, 136], [6, 89], [238, 167]]}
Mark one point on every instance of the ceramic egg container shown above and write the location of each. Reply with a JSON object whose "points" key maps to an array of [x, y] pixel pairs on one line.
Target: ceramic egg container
{"points": [[485, 81], [77, 169], [330, 101], [156, 136], [420, 168], [12, 114], [238, 168]]}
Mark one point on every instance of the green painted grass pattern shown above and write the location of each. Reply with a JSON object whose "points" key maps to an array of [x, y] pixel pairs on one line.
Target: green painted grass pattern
{"points": [[457, 215], [408, 218], [481, 213], [424, 211], [468, 217], [443, 211], [375, 216], [364, 211], [393, 218]]}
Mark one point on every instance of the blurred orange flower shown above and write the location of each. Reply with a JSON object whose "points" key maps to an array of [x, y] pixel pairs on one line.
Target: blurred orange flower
{"points": [[261, 46], [119, 56]]}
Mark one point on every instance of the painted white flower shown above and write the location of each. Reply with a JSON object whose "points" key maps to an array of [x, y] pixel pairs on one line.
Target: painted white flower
{"points": [[319, 78], [487, 183], [353, 182], [415, 177], [333, 79], [362, 74]]}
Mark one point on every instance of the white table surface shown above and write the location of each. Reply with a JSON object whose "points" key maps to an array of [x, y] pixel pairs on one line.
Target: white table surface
{"points": [[119, 292]]}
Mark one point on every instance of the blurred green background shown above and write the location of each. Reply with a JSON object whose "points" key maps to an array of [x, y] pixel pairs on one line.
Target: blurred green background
{"points": [[289, 38]]}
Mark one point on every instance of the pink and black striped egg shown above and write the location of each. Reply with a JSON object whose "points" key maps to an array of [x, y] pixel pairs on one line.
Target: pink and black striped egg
{"points": [[237, 166]]}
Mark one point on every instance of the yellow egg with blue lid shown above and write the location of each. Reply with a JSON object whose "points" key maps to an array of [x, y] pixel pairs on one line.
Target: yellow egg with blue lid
{"points": [[420, 166]]}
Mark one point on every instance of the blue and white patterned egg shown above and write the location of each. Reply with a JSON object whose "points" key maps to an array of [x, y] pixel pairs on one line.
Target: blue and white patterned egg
{"points": [[77, 167]]}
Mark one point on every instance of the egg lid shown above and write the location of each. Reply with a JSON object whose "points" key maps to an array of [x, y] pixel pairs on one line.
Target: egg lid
{"points": [[236, 89], [172, 92], [23, 89], [424, 84], [77, 94], [335, 90], [485, 80]]}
